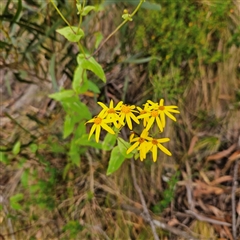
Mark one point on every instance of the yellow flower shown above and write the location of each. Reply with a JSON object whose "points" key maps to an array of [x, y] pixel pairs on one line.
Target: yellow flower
{"points": [[144, 111], [99, 122], [111, 112], [141, 143], [152, 116], [164, 110], [127, 113], [154, 144]]}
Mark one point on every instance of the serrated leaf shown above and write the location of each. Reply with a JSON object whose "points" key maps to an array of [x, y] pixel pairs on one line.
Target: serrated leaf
{"points": [[91, 64], [72, 34], [116, 160], [123, 147], [109, 142], [87, 9], [62, 95], [16, 148]]}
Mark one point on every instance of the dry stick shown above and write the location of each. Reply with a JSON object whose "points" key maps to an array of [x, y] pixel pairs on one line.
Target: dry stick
{"points": [[206, 219], [145, 209], [189, 187], [146, 216], [234, 187], [9, 223]]}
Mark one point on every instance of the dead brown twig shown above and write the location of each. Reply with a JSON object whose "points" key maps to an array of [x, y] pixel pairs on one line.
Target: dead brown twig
{"points": [[234, 187], [145, 214]]}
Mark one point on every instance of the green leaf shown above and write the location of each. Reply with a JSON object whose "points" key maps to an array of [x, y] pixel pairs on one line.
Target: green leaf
{"points": [[33, 147], [62, 95], [80, 130], [80, 81], [24, 178], [93, 87], [16, 148], [116, 160], [66, 170], [99, 38], [3, 158], [14, 201], [73, 227], [76, 109], [72, 34], [18, 12], [91, 64], [83, 141], [109, 142], [74, 153], [77, 79], [68, 126], [151, 6], [75, 158], [123, 147], [87, 9]]}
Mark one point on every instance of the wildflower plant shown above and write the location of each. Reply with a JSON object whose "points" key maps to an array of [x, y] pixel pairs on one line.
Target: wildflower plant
{"points": [[153, 116], [112, 118]]}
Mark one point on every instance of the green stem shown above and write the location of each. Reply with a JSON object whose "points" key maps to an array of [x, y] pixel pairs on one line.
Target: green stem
{"points": [[126, 20], [81, 48], [59, 12], [80, 18], [137, 8]]}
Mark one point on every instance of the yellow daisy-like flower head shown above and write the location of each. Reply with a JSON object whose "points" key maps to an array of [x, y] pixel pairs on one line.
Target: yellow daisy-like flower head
{"points": [[152, 116], [164, 110], [144, 111], [154, 144], [111, 112], [141, 143], [126, 113], [98, 123]]}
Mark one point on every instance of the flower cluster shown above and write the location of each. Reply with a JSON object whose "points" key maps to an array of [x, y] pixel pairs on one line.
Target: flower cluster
{"points": [[151, 114]]}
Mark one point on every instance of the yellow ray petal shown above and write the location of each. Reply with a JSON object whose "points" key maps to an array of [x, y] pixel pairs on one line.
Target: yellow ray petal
{"points": [[154, 153], [150, 123], [132, 147], [134, 118], [92, 130], [107, 128], [170, 116], [164, 149], [97, 136], [159, 124], [129, 122]]}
